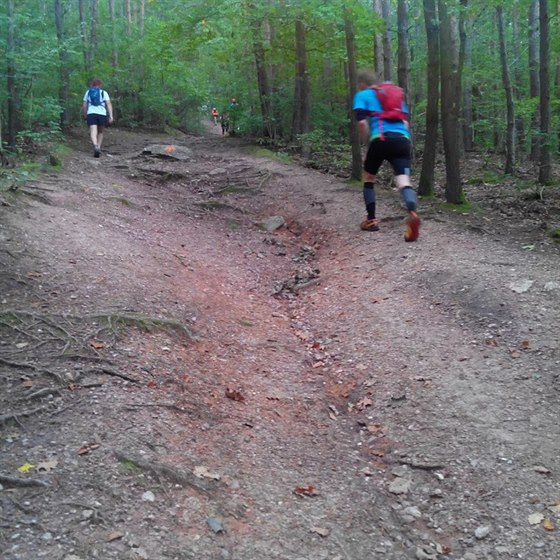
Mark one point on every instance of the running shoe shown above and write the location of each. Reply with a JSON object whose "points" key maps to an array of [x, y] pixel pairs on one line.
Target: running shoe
{"points": [[370, 224], [412, 227]]}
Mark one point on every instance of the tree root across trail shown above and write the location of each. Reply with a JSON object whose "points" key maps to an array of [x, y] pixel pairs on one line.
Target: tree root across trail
{"points": [[308, 392]]}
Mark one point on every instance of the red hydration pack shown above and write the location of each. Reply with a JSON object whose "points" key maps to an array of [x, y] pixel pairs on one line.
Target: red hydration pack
{"points": [[391, 98]]}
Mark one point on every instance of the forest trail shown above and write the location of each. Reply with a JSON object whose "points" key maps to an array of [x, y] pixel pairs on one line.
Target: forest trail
{"points": [[187, 385]]}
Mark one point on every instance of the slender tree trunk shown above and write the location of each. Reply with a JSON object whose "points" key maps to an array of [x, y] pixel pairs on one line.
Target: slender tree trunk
{"points": [[545, 171], [64, 79], [450, 95], [352, 85], [517, 78], [83, 30], [387, 53], [465, 33], [378, 42], [426, 182], [506, 80], [300, 124], [128, 15], [403, 52], [114, 52], [13, 96], [141, 17], [262, 77], [534, 81], [93, 30]]}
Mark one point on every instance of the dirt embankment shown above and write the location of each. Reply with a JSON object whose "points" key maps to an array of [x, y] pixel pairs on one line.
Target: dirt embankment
{"points": [[180, 383]]}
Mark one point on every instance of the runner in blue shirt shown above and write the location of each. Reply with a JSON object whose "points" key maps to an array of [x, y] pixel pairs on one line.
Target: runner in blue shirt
{"points": [[387, 139]]}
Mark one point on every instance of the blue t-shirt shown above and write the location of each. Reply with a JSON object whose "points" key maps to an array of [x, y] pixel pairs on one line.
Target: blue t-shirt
{"points": [[367, 100]]}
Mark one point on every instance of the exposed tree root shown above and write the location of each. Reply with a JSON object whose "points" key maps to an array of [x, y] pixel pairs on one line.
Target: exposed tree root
{"points": [[160, 471], [16, 481]]}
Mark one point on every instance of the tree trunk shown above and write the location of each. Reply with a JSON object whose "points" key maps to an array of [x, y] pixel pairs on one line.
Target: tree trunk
{"points": [[352, 84], [141, 17], [403, 53], [426, 182], [13, 97], [83, 29], [517, 78], [465, 33], [506, 80], [545, 171], [534, 83], [387, 53], [64, 79], [262, 77], [300, 124], [450, 95], [93, 30], [114, 52], [378, 42], [128, 15]]}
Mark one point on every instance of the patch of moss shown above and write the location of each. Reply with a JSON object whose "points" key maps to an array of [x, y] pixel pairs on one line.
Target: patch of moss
{"points": [[488, 177], [266, 153]]}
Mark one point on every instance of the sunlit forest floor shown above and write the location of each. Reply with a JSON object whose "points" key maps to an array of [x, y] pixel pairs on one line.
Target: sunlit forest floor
{"points": [[203, 357]]}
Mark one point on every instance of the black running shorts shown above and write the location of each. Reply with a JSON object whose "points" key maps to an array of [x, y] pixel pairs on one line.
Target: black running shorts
{"points": [[99, 120], [395, 148]]}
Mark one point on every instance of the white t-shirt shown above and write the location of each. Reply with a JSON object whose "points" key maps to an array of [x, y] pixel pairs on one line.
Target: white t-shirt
{"points": [[97, 109]]}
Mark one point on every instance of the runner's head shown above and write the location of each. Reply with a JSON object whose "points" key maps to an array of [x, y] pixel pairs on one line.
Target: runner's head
{"points": [[366, 78], [96, 82]]}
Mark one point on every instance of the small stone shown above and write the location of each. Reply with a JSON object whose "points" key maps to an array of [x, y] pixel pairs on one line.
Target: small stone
{"points": [[521, 286], [272, 224], [426, 553], [215, 525], [400, 486], [148, 496], [551, 286], [482, 532], [413, 511], [469, 556]]}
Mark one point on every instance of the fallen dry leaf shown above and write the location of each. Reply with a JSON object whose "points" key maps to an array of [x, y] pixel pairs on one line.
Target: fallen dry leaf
{"points": [[540, 469], [491, 342], [360, 405], [87, 448], [234, 395], [47, 466], [524, 345], [321, 531], [203, 472], [114, 536], [151, 384], [308, 491], [26, 467], [548, 524], [375, 429], [515, 354], [27, 384]]}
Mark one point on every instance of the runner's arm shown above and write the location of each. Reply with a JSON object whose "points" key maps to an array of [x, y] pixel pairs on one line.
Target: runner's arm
{"points": [[109, 110]]}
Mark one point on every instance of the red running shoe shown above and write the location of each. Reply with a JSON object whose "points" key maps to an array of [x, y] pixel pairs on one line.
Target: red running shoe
{"points": [[412, 227]]}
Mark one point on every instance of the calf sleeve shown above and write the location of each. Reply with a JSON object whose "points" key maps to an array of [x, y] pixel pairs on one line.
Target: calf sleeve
{"points": [[369, 199], [409, 197]]}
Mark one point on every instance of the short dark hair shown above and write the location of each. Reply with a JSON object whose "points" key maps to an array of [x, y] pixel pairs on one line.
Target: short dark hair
{"points": [[368, 77]]}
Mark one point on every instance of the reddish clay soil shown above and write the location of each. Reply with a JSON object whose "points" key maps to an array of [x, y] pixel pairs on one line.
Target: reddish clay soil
{"points": [[178, 383]]}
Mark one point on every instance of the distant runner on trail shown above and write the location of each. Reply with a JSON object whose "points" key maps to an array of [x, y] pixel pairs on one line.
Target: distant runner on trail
{"points": [[215, 115], [382, 117], [233, 115], [224, 121], [99, 111]]}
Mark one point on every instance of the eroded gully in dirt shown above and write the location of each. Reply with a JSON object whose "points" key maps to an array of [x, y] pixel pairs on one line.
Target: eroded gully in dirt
{"points": [[386, 400]]}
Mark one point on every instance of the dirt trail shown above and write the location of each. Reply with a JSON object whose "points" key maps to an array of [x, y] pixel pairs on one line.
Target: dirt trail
{"points": [[193, 387]]}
